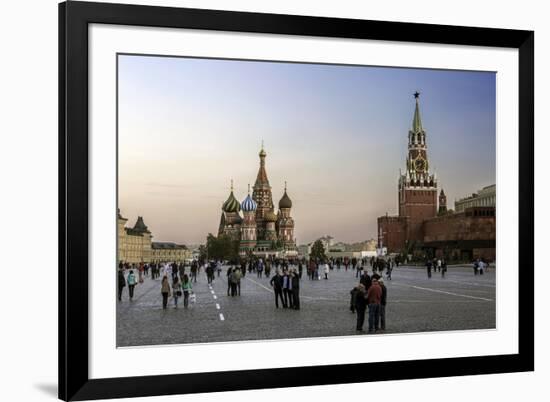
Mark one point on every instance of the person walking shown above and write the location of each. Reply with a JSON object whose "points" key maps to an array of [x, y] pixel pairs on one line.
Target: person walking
{"points": [[429, 267], [443, 268], [194, 268], [121, 283], [165, 291], [186, 288], [295, 289], [326, 269], [360, 306], [228, 273], [277, 283], [176, 289], [383, 299], [132, 281], [374, 296]]}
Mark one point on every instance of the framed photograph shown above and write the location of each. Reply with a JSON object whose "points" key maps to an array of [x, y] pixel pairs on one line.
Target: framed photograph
{"points": [[259, 201]]}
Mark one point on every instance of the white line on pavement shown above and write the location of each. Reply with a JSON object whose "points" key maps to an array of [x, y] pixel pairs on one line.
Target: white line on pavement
{"points": [[259, 284], [451, 293], [221, 317], [215, 297], [217, 306], [212, 292]]}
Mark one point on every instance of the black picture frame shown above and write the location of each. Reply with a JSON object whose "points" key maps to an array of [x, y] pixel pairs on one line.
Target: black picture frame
{"points": [[74, 18]]}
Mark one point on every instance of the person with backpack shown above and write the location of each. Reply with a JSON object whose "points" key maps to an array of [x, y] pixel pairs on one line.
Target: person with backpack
{"points": [[132, 281], [165, 291], [187, 288], [176, 289]]}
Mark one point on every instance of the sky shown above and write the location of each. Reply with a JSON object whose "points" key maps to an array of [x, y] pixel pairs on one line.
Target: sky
{"points": [[336, 134]]}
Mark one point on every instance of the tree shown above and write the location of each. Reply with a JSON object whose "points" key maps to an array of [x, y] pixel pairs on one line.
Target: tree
{"points": [[221, 247], [203, 252], [318, 250]]}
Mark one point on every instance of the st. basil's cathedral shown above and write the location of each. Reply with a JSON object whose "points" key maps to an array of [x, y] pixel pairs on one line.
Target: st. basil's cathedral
{"points": [[259, 230]]}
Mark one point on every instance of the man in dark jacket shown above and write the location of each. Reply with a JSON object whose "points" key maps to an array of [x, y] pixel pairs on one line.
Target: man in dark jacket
{"points": [[229, 270], [360, 306], [365, 280], [383, 299], [121, 283], [295, 283], [277, 283]]}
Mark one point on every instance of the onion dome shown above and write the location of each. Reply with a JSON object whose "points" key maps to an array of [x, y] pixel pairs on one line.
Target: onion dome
{"points": [[262, 153], [249, 205], [231, 204], [285, 202], [270, 217]]}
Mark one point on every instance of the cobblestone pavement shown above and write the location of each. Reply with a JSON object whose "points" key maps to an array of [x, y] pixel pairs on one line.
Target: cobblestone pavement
{"points": [[460, 301]]}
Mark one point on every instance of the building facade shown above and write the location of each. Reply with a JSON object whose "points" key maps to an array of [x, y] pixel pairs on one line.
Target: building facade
{"points": [[169, 252], [135, 244], [259, 230], [486, 197]]}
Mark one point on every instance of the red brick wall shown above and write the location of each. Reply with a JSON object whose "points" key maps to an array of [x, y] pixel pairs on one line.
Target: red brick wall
{"points": [[394, 232], [459, 226], [418, 205]]}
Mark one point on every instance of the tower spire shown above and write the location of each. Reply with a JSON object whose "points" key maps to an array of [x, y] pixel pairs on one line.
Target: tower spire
{"points": [[417, 123]]}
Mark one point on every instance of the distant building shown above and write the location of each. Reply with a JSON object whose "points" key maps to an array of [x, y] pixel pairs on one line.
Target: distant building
{"points": [[135, 244], [259, 230], [167, 251], [486, 197]]}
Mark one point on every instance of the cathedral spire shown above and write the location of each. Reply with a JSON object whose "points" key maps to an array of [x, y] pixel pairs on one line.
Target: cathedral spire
{"points": [[417, 123], [261, 179]]}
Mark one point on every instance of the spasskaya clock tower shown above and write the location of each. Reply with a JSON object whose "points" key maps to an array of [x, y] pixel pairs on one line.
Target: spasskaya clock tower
{"points": [[417, 187]]}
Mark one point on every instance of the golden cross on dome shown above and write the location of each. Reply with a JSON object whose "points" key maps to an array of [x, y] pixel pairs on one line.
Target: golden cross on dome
{"points": [[231, 184]]}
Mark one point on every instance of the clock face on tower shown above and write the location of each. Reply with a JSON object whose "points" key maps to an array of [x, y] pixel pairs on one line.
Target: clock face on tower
{"points": [[420, 164]]}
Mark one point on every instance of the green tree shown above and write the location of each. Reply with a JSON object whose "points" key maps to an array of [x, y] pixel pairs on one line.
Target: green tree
{"points": [[222, 247], [318, 250]]}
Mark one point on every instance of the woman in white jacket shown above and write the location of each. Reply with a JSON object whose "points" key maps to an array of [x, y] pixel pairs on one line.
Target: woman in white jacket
{"points": [[326, 270]]}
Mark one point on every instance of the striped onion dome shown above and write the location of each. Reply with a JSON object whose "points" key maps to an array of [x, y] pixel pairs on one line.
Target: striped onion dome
{"points": [[231, 204], [249, 205]]}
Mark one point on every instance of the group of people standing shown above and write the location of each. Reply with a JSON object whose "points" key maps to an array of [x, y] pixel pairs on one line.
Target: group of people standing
{"points": [[234, 275], [180, 288], [286, 287], [480, 266], [437, 265], [370, 293]]}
